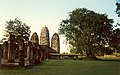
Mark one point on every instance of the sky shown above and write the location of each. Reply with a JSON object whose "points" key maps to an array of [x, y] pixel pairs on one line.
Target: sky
{"points": [[38, 13]]}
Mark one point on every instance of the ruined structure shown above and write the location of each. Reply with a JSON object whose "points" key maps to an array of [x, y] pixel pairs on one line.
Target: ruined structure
{"points": [[18, 52], [0, 53], [21, 54], [11, 48], [5, 51], [36, 50], [34, 38], [55, 43], [44, 36]]}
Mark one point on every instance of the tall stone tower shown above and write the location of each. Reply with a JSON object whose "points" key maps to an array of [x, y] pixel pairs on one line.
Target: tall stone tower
{"points": [[44, 36], [55, 43], [34, 38]]}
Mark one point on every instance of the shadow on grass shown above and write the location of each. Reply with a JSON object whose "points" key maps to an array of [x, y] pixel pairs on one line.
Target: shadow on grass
{"points": [[100, 59], [114, 60], [16, 67], [10, 67]]}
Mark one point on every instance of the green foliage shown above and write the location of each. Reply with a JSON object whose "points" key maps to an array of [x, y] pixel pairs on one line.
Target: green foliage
{"points": [[115, 40], [85, 30], [18, 28], [118, 9], [116, 54]]}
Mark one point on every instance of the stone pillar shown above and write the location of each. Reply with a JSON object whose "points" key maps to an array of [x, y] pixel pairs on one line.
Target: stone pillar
{"points": [[55, 43], [5, 50], [11, 48], [0, 53], [41, 52], [21, 53], [35, 42], [26, 46], [44, 52], [47, 50], [16, 50], [44, 36], [34, 55], [37, 54], [30, 54]]}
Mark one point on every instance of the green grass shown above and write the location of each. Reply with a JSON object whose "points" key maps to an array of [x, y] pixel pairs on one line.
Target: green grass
{"points": [[69, 67]]}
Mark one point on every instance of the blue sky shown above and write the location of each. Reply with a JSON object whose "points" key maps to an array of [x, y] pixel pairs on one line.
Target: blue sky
{"points": [[37, 13]]}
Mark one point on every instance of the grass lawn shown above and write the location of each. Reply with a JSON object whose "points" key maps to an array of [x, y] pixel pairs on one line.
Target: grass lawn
{"points": [[69, 67]]}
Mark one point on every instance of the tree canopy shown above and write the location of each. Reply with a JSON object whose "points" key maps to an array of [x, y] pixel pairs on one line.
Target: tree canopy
{"points": [[18, 28], [115, 40], [86, 30], [118, 9]]}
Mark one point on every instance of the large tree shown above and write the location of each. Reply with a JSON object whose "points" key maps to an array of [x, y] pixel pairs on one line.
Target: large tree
{"points": [[86, 31], [118, 9], [19, 28]]}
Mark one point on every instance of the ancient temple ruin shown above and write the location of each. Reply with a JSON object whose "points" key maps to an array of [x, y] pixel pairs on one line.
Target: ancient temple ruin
{"points": [[11, 48], [44, 36], [55, 43], [19, 52], [34, 38]]}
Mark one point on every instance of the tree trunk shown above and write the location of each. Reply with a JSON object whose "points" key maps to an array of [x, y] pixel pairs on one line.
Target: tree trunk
{"points": [[90, 56]]}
